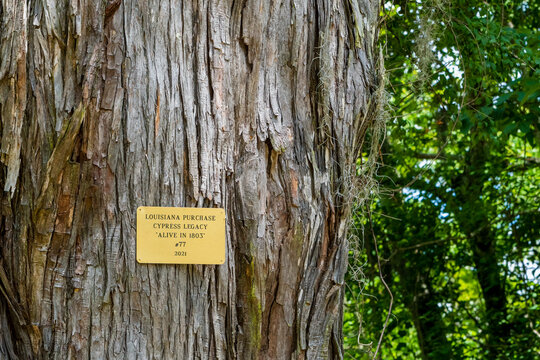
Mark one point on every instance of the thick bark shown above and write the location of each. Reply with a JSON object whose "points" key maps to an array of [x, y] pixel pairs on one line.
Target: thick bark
{"points": [[258, 107]]}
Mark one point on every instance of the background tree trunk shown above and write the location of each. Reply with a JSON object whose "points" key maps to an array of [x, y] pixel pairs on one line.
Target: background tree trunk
{"points": [[258, 107]]}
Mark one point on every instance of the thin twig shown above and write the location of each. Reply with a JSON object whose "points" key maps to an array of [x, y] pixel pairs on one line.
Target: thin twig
{"points": [[384, 283]]}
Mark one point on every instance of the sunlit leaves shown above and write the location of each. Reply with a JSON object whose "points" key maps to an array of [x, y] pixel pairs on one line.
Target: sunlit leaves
{"points": [[462, 150]]}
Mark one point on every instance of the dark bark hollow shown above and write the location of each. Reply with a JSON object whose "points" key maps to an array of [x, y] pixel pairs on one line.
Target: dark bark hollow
{"points": [[258, 107]]}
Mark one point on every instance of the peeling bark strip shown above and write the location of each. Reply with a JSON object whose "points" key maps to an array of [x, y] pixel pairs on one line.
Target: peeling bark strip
{"points": [[253, 106]]}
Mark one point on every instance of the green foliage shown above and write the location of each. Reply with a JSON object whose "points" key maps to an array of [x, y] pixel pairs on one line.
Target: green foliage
{"points": [[457, 224]]}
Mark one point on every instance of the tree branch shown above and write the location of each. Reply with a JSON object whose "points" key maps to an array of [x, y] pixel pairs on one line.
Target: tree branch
{"points": [[437, 156]]}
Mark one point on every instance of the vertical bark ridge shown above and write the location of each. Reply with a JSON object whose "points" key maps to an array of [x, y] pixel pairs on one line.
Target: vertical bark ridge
{"points": [[13, 87], [256, 107]]}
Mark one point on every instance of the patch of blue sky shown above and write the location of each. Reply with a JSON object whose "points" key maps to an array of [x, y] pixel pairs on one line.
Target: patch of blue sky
{"points": [[529, 267]]}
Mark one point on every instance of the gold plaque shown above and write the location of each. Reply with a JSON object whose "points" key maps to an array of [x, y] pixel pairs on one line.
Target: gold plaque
{"points": [[172, 235]]}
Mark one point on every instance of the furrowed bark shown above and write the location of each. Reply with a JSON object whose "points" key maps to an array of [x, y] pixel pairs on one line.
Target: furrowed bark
{"points": [[256, 107]]}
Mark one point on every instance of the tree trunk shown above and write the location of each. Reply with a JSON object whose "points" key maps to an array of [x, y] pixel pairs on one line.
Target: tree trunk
{"points": [[428, 321], [474, 221], [258, 107]]}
